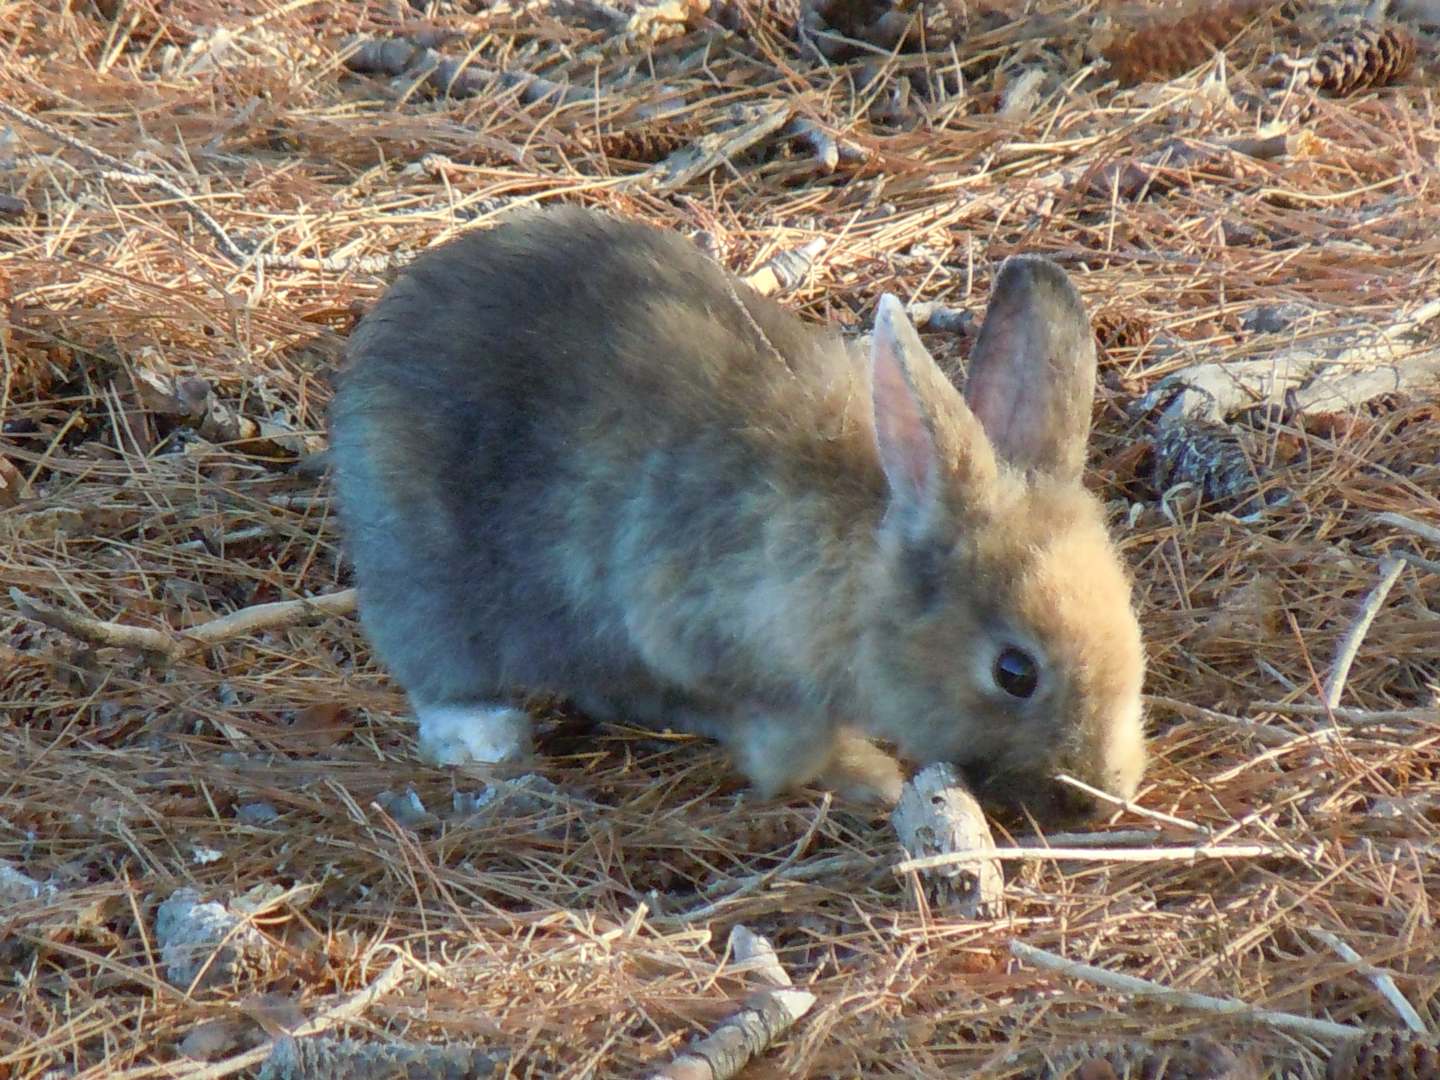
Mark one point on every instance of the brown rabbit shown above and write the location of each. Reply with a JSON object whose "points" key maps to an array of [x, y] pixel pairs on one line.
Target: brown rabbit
{"points": [[575, 456]]}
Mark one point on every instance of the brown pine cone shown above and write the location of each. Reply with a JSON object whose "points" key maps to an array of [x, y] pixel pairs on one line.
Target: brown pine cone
{"points": [[1387, 1055], [1191, 1059], [1165, 48], [1363, 57]]}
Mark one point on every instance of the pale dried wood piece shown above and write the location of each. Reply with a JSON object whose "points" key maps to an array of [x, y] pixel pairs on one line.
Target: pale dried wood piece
{"points": [[752, 953], [938, 816], [1306, 377], [786, 269], [731, 1046], [446, 75], [174, 643], [1114, 980]]}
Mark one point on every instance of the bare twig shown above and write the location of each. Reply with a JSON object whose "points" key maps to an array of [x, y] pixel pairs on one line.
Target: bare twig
{"points": [[1390, 568], [1114, 980], [1353, 717], [785, 269], [174, 644], [1383, 982], [1422, 529], [1127, 805], [1085, 854]]}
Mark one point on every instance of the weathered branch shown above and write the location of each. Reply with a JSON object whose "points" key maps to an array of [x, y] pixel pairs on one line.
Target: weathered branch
{"points": [[1130, 984], [173, 644]]}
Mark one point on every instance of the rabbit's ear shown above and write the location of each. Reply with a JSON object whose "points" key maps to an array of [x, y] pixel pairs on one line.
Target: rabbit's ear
{"points": [[904, 431], [1032, 371]]}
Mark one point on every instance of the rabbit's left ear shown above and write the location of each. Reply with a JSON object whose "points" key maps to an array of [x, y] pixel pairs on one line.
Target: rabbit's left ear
{"points": [[1031, 382]]}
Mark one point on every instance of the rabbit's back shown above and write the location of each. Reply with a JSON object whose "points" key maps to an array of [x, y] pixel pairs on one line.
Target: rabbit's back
{"points": [[547, 425]]}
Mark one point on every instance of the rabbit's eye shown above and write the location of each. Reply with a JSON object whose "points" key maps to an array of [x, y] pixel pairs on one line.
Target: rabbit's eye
{"points": [[1016, 673]]}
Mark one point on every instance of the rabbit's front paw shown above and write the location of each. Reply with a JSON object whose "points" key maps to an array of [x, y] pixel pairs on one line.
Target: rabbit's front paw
{"points": [[861, 772], [472, 734]]}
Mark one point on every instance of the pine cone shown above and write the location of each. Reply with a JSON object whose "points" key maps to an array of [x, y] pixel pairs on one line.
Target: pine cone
{"points": [[1164, 49], [1363, 57], [1193, 1059], [644, 143], [1387, 1055]]}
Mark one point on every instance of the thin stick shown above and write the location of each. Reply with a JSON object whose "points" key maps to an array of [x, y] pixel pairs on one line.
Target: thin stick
{"points": [[1118, 838], [733, 1044], [1409, 524], [1085, 854], [1263, 733], [1358, 717], [1126, 804], [175, 644], [1390, 568], [1113, 980], [1382, 981]]}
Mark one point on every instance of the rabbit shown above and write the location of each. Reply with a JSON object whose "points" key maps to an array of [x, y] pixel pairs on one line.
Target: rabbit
{"points": [[574, 456]]}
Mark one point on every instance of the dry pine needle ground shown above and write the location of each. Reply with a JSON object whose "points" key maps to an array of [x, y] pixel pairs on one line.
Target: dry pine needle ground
{"points": [[163, 402]]}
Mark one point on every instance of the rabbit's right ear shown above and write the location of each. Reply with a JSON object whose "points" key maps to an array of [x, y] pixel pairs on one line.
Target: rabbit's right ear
{"points": [[1032, 371]]}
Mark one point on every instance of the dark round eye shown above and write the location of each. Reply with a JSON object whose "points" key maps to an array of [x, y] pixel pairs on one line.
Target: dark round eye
{"points": [[1016, 673]]}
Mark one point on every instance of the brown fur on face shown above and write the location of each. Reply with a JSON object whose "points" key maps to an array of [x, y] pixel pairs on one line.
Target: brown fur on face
{"points": [[1034, 566]]}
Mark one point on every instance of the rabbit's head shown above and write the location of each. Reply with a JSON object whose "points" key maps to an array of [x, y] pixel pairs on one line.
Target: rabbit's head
{"points": [[1001, 635]]}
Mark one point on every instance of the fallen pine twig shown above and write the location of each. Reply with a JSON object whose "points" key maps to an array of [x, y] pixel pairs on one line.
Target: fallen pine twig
{"points": [[731, 1046], [1179, 160], [1260, 732], [1383, 982], [1357, 717], [172, 643], [1188, 854], [1114, 980], [1390, 568], [1118, 838], [1130, 807], [750, 952], [1420, 528]]}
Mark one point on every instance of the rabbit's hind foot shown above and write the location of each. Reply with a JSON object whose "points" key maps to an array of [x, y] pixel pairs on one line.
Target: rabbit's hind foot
{"points": [[473, 733]]}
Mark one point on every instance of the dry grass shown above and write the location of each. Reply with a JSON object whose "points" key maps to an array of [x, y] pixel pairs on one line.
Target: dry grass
{"points": [[526, 927]]}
